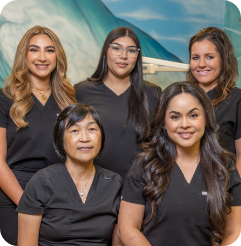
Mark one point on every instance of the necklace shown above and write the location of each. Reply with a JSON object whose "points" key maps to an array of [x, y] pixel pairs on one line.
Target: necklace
{"points": [[81, 190], [44, 97]]}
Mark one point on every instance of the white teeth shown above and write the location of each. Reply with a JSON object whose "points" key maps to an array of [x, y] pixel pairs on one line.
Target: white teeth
{"points": [[203, 71], [41, 65], [185, 133]]}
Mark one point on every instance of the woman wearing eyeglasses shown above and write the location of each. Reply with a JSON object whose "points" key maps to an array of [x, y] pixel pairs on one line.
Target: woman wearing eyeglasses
{"points": [[123, 100]]}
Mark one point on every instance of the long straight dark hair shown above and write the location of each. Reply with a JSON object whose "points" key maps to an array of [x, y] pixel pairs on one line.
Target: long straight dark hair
{"points": [[159, 156], [138, 107]]}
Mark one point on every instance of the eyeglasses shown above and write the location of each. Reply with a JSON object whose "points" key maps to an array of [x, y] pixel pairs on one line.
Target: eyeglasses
{"points": [[117, 49]]}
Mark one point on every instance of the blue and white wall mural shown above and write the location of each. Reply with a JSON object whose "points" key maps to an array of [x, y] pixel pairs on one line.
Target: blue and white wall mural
{"points": [[171, 22], [164, 28]]}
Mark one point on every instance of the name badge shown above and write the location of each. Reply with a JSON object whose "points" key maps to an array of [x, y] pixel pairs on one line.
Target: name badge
{"points": [[204, 193]]}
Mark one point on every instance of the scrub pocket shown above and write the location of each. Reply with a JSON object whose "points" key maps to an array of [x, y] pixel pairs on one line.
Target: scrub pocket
{"points": [[56, 224], [203, 218]]}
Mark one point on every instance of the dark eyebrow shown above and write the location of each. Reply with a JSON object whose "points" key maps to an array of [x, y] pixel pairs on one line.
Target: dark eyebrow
{"points": [[47, 47], [89, 123], [127, 46], [175, 112], [205, 54], [36, 46], [193, 110]]}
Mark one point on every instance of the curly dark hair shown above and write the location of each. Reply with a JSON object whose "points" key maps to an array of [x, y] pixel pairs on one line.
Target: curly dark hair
{"points": [[159, 156], [229, 65]]}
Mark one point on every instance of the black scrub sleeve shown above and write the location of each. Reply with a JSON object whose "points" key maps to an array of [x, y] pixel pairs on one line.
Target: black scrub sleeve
{"points": [[116, 204], [235, 187], [238, 122], [34, 197], [5, 105], [132, 189]]}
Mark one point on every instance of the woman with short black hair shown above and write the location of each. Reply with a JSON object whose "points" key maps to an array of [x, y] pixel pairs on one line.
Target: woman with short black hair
{"points": [[123, 100], [73, 202]]}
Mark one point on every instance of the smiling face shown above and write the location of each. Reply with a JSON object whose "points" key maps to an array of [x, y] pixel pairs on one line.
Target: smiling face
{"points": [[205, 63], [41, 57], [185, 121], [82, 141], [122, 65]]}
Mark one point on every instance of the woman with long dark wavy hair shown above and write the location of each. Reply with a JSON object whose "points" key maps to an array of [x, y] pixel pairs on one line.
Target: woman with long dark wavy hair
{"points": [[123, 100], [184, 188], [214, 67], [30, 100]]}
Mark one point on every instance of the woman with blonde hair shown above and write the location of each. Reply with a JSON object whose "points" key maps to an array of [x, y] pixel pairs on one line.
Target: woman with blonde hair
{"points": [[30, 101]]}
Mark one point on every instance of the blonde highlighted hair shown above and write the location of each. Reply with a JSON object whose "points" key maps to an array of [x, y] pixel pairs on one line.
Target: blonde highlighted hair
{"points": [[18, 85]]}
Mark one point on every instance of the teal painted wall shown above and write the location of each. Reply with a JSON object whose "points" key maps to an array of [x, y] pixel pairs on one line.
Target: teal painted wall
{"points": [[233, 28], [164, 28], [81, 25]]}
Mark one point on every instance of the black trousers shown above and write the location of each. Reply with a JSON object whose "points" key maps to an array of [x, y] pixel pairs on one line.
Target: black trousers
{"points": [[9, 224], [8, 215]]}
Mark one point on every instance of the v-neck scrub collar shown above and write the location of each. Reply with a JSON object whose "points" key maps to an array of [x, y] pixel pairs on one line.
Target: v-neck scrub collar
{"points": [[121, 144], [182, 217], [112, 93], [66, 219]]}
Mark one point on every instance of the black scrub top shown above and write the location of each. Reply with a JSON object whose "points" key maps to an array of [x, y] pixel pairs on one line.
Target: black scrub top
{"points": [[66, 219], [182, 217], [31, 148], [120, 146], [228, 116]]}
